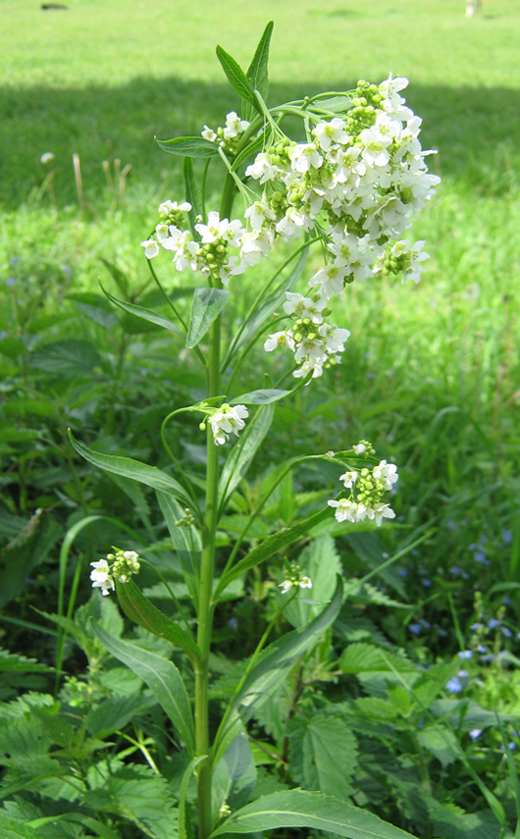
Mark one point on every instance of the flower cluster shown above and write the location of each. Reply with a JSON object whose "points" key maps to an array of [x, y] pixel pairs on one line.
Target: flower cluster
{"points": [[119, 566], [357, 184], [228, 419], [293, 578], [366, 490]]}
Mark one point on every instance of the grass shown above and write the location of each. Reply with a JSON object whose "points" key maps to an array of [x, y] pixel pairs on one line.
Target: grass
{"points": [[431, 373]]}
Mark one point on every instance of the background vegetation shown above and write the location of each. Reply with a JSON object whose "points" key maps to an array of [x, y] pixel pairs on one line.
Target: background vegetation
{"points": [[431, 374]]}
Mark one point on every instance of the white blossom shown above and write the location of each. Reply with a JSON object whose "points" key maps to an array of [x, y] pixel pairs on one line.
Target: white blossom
{"points": [[46, 157], [386, 472], [101, 578], [234, 126], [151, 248], [349, 479], [347, 510], [228, 420], [279, 339], [209, 134]]}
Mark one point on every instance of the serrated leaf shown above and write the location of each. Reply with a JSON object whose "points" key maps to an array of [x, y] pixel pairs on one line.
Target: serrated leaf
{"points": [[236, 77], [15, 829], [243, 452], [161, 676], [139, 609], [151, 476], [264, 396], [10, 662], [145, 314], [365, 658], [319, 561], [66, 358], [441, 743], [296, 808], [206, 307], [189, 146], [114, 714], [323, 754]]}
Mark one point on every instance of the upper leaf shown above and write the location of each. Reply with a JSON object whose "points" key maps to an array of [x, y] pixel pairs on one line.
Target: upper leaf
{"points": [[257, 73], [236, 77], [243, 452], [144, 314]]}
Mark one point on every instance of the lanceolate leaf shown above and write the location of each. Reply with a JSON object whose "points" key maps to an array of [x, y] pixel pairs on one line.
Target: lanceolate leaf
{"points": [[257, 74], [193, 195], [145, 314], [296, 808], [263, 396], [189, 146], [206, 307], [139, 609], [272, 545], [243, 452], [161, 676], [186, 541], [134, 469], [236, 77]]}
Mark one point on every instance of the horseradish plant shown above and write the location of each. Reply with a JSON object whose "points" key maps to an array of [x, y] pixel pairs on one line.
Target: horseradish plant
{"points": [[349, 191]]}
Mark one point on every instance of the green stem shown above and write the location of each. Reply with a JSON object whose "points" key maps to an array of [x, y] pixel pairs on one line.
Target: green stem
{"points": [[207, 562]]}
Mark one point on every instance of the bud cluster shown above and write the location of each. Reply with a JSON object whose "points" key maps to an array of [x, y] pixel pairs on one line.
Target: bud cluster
{"points": [[366, 490], [293, 578]]}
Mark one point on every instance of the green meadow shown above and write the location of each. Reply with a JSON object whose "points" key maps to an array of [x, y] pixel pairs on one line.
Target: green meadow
{"points": [[430, 375]]}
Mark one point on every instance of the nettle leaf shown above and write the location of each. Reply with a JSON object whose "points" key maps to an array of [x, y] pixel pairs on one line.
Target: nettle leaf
{"points": [[127, 467], [145, 314], [468, 714], [234, 776], [9, 662], [452, 825], [94, 307], [365, 658], [441, 742], [237, 78], [243, 452], [206, 307], [66, 358], [257, 74], [323, 753], [136, 793], [320, 561], [296, 808], [264, 396], [161, 676], [189, 146], [114, 714], [15, 829], [139, 609]]}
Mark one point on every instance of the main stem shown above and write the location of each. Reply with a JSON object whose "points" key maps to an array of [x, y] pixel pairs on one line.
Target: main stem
{"points": [[207, 566]]}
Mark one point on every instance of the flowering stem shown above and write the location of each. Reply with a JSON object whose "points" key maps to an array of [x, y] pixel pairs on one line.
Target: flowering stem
{"points": [[207, 563]]}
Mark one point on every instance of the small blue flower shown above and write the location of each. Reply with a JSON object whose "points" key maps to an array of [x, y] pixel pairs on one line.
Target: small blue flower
{"points": [[15, 260], [402, 572], [454, 686], [475, 626], [465, 654], [463, 674], [493, 623], [507, 536], [426, 582], [425, 623], [478, 556], [451, 525], [10, 281], [507, 632], [415, 628], [233, 623], [475, 733], [481, 648], [455, 570], [506, 601]]}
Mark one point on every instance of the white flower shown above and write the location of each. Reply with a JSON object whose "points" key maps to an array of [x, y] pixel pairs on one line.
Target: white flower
{"points": [[254, 245], [234, 126], [304, 307], [417, 255], [258, 213], [347, 510], [233, 267], [359, 448], [262, 169], [228, 420], [305, 156], [46, 157], [101, 578], [294, 580], [382, 511], [331, 132], [168, 207], [218, 228], [310, 364], [279, 339], [386, 472], [209, 134], [151, 248], [349, 479], [330, 280], [293, 224]]}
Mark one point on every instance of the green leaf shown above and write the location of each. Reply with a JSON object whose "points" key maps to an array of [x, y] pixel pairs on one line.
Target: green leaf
{"points": [[441, 742], [264, 396], [319, 561], [185, 830], [193, 193], [296, 808], [186, 541], [15, 829], [161, 676], [139, 609], [127, 467], [12, 347], [144, 314], [94, 307], [237, 78], [272, 545], [365, 658], [114, 714], [137, 794], [9, 662], [234, 776], [189, 146], [66, 358], [257, 74], [323, 753], [119, 277], [242, 453], [277, 660], [206, 307]]}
